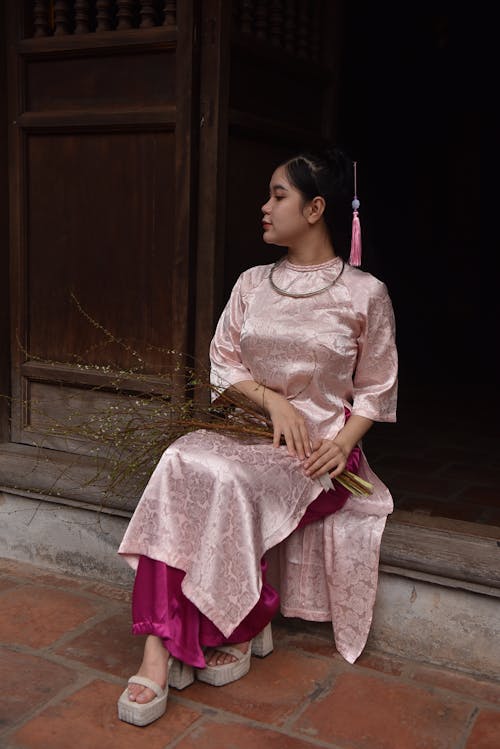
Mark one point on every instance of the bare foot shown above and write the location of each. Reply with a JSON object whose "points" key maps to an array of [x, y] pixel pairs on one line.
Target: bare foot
{"points": [[154, 666], [214, 657]]}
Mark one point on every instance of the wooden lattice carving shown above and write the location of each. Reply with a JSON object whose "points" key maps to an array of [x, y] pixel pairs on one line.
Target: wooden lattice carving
{"points": [[275, 22], [170, 13], [260, 23], [62, 23], [81, 17], [289, 27], [103, 15], [246, 16], [125, 14], [147, 14], [41, 25], [303, 29]]}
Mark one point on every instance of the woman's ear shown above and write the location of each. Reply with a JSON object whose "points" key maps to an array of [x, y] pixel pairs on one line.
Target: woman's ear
{"points": [[315, 209]]}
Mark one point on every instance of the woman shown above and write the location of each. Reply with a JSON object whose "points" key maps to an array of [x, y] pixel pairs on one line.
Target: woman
{"points": [[310, 340]]}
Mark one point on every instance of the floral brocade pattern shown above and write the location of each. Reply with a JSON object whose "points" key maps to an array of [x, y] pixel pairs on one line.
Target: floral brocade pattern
{"points": [[215, 504], [213, 507]]}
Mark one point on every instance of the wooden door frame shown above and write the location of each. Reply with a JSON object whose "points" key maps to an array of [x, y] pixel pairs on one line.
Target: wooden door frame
{"points": [[214, 103], [4, 242]]}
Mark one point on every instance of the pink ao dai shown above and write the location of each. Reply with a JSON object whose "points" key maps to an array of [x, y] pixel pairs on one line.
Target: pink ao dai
{"points": [[215, 504]]}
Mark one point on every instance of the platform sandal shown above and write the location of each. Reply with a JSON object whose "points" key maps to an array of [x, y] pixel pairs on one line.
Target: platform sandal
{"points": [[218, 676], [180, 675]]}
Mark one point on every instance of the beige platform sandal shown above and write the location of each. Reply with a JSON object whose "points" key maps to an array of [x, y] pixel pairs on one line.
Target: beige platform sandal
{"points": [[217, 676], [179, 676]]}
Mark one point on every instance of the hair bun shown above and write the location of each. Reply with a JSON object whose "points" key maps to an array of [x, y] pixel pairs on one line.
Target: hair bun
{"points": [[336, 157]]}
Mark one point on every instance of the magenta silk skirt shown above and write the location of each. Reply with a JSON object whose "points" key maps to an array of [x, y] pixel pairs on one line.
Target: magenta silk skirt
{"points": [[159, 607]]}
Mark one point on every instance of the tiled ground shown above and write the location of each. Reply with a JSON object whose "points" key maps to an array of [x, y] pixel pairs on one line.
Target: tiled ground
{"points": [[66, 650]]}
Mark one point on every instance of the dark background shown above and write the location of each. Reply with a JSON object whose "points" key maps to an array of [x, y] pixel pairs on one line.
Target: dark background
{"points": [[417, 112]]}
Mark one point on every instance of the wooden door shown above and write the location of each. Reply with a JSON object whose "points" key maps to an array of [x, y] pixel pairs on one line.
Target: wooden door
{"points": [[102, 99]]}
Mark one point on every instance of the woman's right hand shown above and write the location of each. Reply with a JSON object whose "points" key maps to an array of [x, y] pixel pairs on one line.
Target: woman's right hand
{"points": [[290, 423], [287, 421]]}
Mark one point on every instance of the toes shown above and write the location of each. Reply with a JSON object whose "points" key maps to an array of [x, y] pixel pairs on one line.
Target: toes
{"points": [[133, 693], [137, 693], [216, 658], [145, 696]]}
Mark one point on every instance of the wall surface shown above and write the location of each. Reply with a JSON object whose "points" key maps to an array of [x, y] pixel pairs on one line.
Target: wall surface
{"points": [[437, 624], [62, 538]]}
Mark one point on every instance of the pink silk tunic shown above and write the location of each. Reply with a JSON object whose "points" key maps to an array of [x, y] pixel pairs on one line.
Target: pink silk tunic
{"points": [[215, 504]]}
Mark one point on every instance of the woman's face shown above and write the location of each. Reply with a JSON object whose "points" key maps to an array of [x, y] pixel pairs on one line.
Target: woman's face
{"points": [[284, 221]]}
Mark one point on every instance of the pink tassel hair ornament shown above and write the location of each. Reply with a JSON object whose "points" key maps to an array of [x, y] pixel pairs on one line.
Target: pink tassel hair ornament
{"points": [[355, 256]]}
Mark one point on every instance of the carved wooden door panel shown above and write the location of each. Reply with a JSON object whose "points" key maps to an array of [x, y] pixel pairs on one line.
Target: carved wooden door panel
{"points": [[101, 223]]}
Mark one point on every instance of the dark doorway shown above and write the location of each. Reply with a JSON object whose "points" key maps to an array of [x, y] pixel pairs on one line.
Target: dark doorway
{"points": [[415, 110]]}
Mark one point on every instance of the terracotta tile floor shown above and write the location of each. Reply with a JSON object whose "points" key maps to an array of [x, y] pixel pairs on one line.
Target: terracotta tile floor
{"points": [[66, 650]]}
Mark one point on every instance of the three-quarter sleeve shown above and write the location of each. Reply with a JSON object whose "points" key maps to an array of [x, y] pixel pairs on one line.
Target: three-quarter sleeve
{"points": [[226, 366], [375, 377]]}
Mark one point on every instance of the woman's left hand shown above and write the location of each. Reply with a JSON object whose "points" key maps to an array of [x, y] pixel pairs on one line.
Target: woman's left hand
{"points": [[327, 456]]}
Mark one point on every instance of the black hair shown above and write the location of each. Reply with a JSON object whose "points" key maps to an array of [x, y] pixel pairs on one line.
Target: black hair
{"points": [[328, 173]]}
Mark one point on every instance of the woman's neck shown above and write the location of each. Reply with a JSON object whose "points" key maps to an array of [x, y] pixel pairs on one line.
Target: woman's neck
{"points": [[311, 253]]}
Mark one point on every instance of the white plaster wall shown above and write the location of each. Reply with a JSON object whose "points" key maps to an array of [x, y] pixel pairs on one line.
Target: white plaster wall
{"points": [[63, 539], [437, 624]]}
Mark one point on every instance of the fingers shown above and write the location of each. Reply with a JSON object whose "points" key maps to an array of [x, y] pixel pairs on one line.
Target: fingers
{"points": [[328, 457], [276, 435], [302, 442], [297, 440], [290, 423]]}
